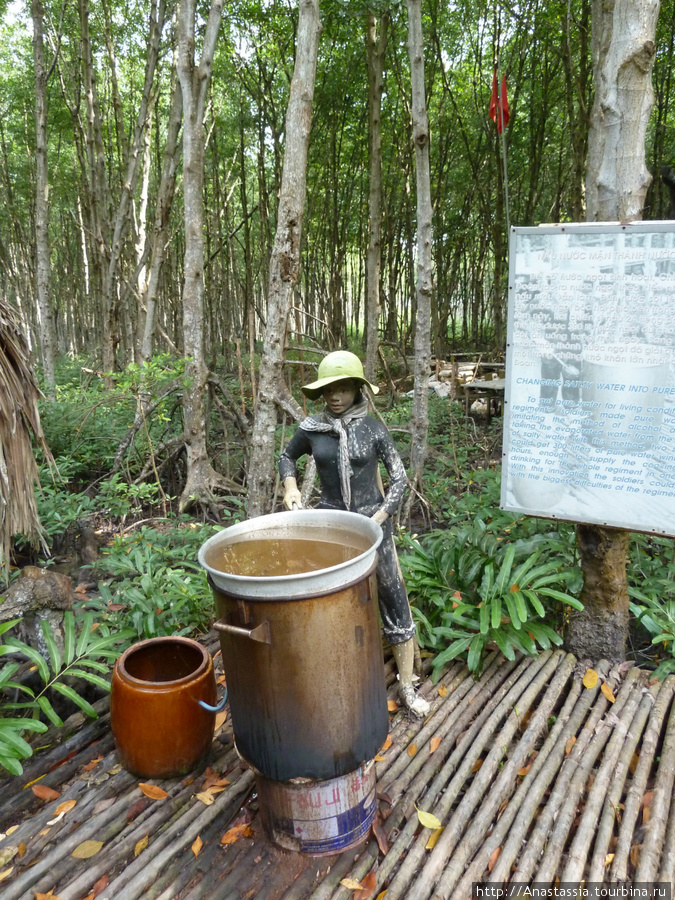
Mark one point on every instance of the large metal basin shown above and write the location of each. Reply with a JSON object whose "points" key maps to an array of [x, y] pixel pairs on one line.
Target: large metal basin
{"points": [[303, 653]]}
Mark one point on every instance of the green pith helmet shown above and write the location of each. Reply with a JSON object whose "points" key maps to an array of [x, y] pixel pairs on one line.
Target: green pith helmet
{"points": [[337, 366]]}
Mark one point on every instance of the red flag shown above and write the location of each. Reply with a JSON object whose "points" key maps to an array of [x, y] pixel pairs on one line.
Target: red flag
{"points": [[499, 105]]}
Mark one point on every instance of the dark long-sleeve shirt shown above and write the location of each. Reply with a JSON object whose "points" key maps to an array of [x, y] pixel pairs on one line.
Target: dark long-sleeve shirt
{"points": [[369, 441]]}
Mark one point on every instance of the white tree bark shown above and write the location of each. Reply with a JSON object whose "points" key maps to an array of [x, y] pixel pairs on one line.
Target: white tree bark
{"points": [[42, 279], [165, 195], [285, 261], [420, 125], [194, 80], [623, 47], [375, 48]]}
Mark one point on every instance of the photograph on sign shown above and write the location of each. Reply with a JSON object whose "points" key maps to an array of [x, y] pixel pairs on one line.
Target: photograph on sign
{"points": [[589, 415]]}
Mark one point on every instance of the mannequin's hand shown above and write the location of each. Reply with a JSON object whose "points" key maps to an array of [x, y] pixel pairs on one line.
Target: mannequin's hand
{"points": [[380, 517], [292, 496]]}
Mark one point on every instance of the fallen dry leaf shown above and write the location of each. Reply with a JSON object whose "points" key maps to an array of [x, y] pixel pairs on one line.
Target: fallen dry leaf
{"points": [[379, 758], [220, 719], [236, 832], [648, 798], [476, 766], [42, 792], [206, 797], [7, 854], [434, 744], [50, 896], [380, 896], [65, 807], [21, 849], [380, 835], [609, 859], [494, 856], [367, 887], [442, 691], [87, 849], [646, 814], [607, 691], [412, 750], [387, 743], [590, 679], [99, 886], [635, 759], [197, 845], [635, 854], [11, 829], [570, 743], [392, 705], [102, 805], [137, 808], [211, 777], [428, 819], [351, 884], [141, 845], [6, 873], [433, 838], [152, 791], [92, 764]]}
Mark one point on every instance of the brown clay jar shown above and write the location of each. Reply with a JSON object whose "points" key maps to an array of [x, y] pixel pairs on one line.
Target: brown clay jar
{"points": [[159, 727]]}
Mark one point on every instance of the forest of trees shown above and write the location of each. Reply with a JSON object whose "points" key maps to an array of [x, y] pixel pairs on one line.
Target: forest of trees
{"points": [[114, 169]]}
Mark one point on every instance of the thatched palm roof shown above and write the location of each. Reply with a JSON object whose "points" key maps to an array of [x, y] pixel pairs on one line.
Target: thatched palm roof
{"points": [[19, 419]]}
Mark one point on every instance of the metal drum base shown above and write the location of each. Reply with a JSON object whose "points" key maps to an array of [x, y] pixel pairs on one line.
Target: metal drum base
{"points": [[319, 818]]}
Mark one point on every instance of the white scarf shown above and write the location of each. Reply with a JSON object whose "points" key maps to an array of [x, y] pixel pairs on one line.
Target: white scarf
{"points": [[325, 422]]}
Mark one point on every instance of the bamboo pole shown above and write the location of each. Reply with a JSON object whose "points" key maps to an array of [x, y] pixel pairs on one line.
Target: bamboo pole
{"points": [[605, 829], [468, 698], [667, 873], [181, 834], [471, 751], [330, 883], [526, 790], [420, 786], [151, 821], [652, 845], [577, 854], [213, 888], [546, 817], [458, 823], [46, 866], [633, 801], [404, 730], [471, 829], [623, 709]]}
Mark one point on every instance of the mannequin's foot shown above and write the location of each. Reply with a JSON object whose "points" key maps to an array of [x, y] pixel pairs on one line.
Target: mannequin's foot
{"points": [[417, 705]]}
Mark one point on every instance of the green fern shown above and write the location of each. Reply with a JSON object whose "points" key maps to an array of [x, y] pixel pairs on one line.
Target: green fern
{"points": [[83, 656]]}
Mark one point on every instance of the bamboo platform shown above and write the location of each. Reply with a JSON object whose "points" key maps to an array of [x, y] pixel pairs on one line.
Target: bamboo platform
{"points": [[535, 778]]}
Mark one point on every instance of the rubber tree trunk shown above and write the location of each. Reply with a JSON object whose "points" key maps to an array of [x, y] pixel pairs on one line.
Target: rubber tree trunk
{"points": [[617, 179], [285, 260]]}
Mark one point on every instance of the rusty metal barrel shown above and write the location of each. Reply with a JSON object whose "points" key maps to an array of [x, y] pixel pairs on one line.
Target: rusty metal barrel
{"points": [[303, 662]]}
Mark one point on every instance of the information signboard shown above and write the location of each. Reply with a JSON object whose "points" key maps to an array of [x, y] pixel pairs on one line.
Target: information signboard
{"points": [[589, 415]]}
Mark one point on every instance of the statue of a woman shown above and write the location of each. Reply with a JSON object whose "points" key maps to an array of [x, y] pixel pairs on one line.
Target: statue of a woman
{"points": [[347, 446]]}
